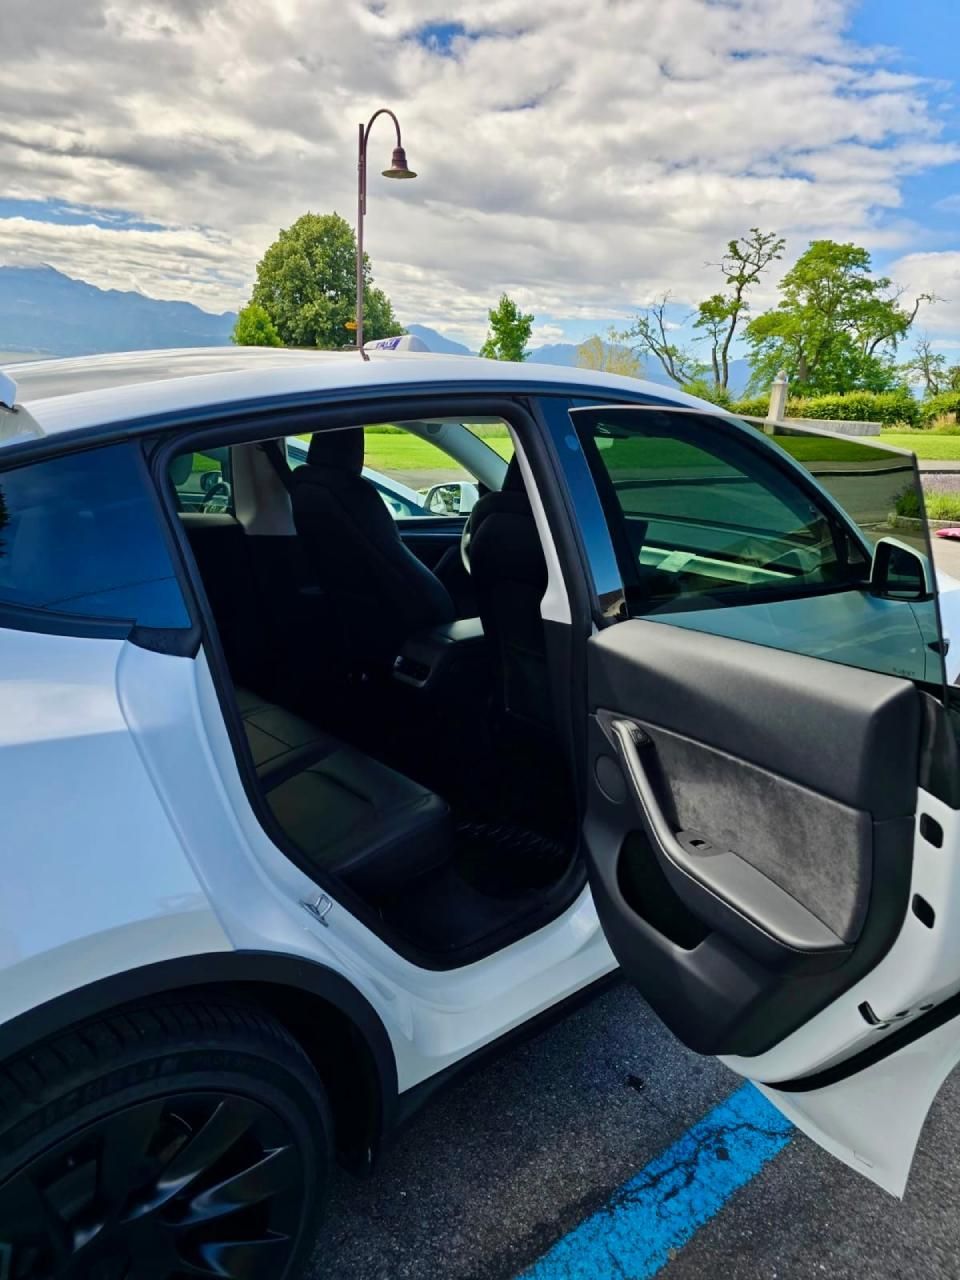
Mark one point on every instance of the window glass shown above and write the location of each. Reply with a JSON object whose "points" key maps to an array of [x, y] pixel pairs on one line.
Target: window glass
{"points": [[715, 527], [414, 476], [203, 481], [79, 535]]}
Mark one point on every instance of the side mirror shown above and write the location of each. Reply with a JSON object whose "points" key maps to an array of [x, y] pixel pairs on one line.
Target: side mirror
{"points": [[456, 497], [209, 480], [900, 572]]}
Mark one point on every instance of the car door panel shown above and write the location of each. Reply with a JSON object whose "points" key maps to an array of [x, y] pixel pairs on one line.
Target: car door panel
{"points": [[773, 784], [738, 860]]}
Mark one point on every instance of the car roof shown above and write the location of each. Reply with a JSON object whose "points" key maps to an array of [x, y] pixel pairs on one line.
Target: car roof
{"points": [[88, 392]]}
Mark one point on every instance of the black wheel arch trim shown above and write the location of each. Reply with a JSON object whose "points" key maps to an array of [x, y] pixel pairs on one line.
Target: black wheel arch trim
{"points": [[210, 970]]}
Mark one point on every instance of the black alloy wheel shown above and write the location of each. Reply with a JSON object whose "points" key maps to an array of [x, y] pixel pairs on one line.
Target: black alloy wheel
{"points": [[198, 1154]]}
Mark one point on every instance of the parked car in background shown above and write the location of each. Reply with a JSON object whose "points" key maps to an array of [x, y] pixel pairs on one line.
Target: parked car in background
{"points": [[315, 788]]}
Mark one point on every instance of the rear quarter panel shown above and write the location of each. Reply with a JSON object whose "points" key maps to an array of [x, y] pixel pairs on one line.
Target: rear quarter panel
{"points": [[95, 880]]}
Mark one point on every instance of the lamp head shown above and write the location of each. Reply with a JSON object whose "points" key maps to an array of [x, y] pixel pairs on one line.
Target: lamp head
{"points": [[398, 165]]}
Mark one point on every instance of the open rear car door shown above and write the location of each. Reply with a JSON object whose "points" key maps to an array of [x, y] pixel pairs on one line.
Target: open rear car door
{"points": [[773, 781]]}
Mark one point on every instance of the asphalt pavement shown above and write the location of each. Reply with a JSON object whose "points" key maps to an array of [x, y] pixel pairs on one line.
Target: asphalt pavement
{"points": [[509, 1161]]}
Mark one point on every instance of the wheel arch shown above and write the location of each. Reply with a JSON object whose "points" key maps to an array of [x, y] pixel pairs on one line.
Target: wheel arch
{"points": [[336, 1026]]}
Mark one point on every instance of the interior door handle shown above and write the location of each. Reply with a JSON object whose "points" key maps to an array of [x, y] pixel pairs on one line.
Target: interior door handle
{"points": [[730, 894], [630, 740]]}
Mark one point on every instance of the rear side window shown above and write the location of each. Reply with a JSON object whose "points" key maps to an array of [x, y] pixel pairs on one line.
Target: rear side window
{"points": [[79, 535]]}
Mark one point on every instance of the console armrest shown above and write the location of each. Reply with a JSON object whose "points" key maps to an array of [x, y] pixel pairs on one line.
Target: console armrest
{"points": [[432, 657]]}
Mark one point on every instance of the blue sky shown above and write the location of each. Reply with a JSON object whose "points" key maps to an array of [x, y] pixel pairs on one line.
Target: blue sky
{"points": [[584, 158]]}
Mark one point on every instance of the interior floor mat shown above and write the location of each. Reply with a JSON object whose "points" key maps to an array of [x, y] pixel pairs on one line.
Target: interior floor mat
{"points": [[503, 859], [441, 912]]}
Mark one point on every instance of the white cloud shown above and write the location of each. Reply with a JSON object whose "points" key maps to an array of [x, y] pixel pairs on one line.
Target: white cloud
{"points": [[583, 157], [933, 273]]}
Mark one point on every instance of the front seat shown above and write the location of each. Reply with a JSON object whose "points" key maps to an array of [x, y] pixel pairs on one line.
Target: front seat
{"points": [[376, 590], [509, 574]]}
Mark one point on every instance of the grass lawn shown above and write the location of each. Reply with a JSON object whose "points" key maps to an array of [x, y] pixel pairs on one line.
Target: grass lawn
{"points": [[925, 444], [400, 451]]}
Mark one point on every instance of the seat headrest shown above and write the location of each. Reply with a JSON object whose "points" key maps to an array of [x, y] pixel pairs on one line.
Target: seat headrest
{"points": [[341, 450], [180, 468]]}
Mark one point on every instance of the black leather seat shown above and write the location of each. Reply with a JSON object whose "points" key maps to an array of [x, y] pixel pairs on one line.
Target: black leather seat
{"points": [[509, 574], [376, 589], [348, 813]]}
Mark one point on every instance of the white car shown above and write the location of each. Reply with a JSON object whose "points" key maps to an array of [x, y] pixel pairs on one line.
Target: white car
{"points": [[307, 804]]}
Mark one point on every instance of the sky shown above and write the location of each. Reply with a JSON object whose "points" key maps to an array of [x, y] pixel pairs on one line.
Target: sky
{"points": [[585, 156]]}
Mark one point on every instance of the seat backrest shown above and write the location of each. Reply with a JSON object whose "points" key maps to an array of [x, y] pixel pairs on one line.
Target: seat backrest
{"points": [[377, 589], [509, 573]]}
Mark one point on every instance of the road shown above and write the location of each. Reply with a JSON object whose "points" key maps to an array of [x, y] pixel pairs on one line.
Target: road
{"points": [[507, 1162]]}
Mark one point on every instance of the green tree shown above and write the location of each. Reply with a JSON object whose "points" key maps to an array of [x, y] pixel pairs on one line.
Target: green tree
{"points": [[927, 366], [836, 327], [609, 356], [254, 328], [952, 377], [306, 283], [509, 332], [718, 316]]}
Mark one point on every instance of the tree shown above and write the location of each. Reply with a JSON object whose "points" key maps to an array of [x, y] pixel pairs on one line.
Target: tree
{"points": [[254, 328], [306, 283], [836, 327], [649, 335], [742, 265], [509, 332], [928, 367], [609, 356]]}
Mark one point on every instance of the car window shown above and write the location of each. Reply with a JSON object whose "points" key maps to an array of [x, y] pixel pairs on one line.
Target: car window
{"points": [[716, 528], [79, 534], [203, 481], [415, 477]]}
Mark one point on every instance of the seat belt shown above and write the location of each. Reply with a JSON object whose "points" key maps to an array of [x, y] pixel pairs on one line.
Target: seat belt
{"points": [[271, 449]]}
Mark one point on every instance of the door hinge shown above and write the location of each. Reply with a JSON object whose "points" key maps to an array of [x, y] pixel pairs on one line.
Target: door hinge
{"points": [[319, 908]]}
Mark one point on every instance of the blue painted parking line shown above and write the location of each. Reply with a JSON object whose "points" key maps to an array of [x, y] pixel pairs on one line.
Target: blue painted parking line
{"points": [[664, 1205]]}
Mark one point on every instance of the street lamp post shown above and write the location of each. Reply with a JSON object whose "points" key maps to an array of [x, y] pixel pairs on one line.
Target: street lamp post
{"points": [[398, 169]]}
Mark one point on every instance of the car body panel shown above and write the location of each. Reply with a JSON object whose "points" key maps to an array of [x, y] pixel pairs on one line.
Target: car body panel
{"points": [[89, 889]]}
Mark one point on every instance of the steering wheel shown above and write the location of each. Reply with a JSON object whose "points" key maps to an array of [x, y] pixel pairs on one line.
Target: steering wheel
{"points": [[465, 539]]}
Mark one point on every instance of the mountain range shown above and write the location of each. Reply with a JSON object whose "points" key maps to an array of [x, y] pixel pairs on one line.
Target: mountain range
{"points": [[44, 312]]}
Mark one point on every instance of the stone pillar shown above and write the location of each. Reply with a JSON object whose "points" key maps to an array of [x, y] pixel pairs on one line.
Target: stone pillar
{"points": [[777, 409]]}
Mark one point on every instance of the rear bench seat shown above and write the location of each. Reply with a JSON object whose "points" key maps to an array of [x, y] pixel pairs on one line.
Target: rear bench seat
{"points": [[348, 813]]}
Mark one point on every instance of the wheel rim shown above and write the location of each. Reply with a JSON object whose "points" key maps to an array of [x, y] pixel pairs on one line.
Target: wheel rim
{"points": [[190, 1184]]}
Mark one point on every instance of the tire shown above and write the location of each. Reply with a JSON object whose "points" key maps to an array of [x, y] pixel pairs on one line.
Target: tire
{"points": [[164, 1141]]}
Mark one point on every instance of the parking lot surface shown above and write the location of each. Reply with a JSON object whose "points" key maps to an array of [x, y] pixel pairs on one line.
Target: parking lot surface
{"points": [[514, 1158]]}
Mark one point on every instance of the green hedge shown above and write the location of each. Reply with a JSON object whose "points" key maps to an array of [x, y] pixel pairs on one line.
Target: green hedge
{"points": [[947, 404], [892, 408], [753, 407]]}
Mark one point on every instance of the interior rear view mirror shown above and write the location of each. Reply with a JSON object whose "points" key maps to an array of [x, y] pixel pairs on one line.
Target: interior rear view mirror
{"points": [[901, 572]]}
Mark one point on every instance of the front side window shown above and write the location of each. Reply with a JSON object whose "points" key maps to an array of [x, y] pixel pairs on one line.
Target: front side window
{"points": [[203, 481], [716, 527], [79, 535]]}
